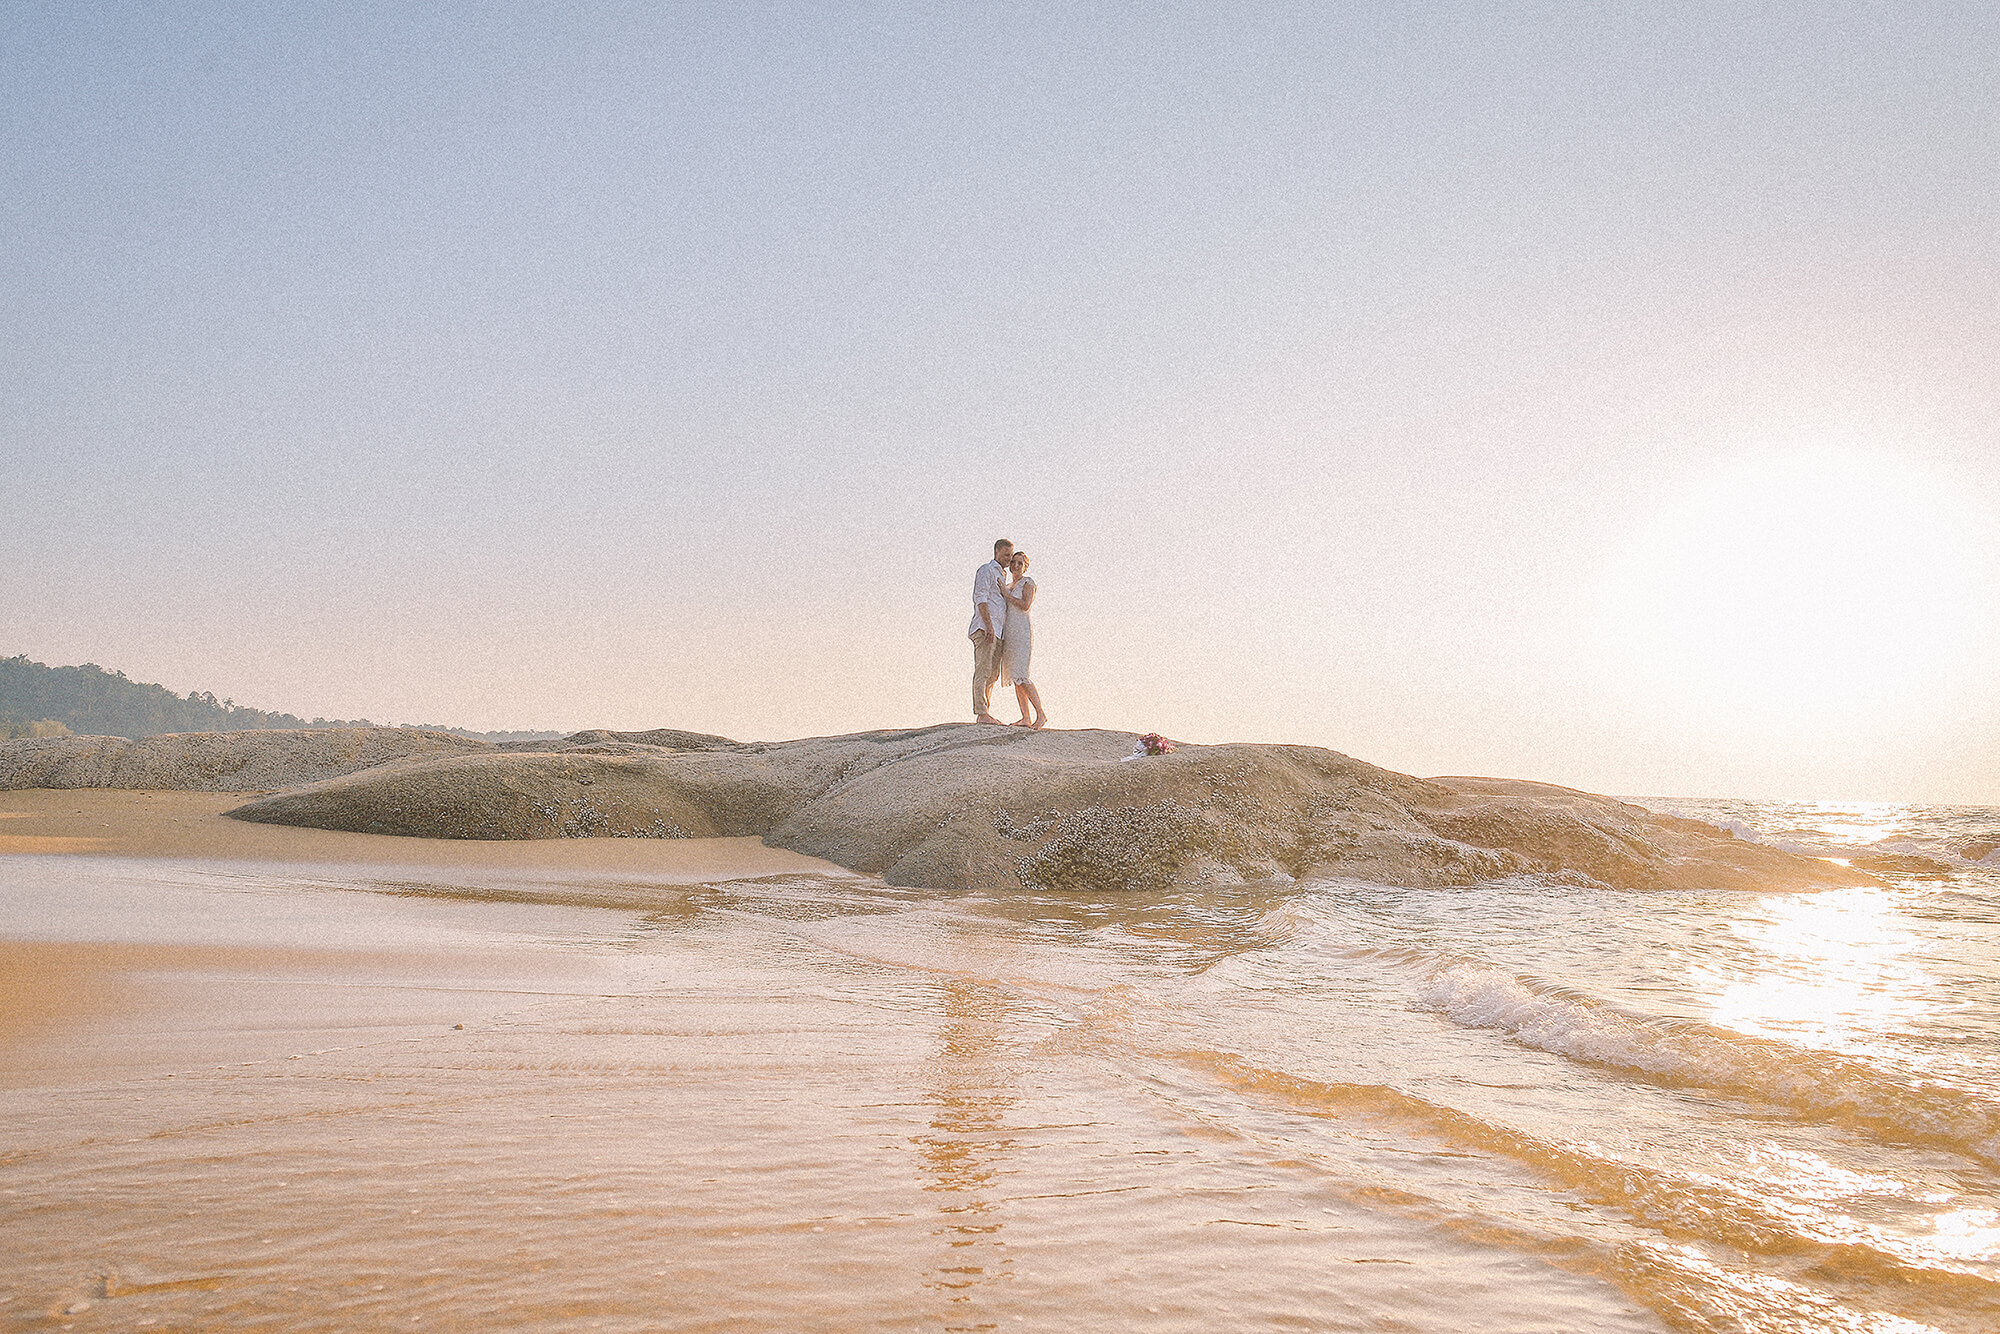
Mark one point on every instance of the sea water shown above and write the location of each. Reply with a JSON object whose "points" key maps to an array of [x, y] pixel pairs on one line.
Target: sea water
{"points": [[338, 1099]]}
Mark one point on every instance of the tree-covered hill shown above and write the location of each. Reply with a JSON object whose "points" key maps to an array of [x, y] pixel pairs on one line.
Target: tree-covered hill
{"points": [[90, 700], [37, 700]]}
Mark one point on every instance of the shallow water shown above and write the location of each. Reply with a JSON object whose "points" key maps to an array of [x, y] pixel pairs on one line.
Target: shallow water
{"points": [[821, 1103]]}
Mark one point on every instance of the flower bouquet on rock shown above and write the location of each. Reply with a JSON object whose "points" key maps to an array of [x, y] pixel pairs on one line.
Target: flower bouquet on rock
{"points": [[1151, 744]]}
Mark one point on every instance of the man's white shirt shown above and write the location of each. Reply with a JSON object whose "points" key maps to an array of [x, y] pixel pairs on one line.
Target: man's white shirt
{"points": [[986, 589]]}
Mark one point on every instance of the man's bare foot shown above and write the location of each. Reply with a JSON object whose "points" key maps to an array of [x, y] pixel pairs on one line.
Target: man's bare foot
{"points": [[987, 718]]}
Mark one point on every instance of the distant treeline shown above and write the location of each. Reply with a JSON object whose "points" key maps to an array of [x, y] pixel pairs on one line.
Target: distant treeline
{"points": [[38, 700]]}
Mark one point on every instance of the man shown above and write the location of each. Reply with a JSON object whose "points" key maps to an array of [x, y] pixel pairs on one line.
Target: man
{"points": [[989, 618]]}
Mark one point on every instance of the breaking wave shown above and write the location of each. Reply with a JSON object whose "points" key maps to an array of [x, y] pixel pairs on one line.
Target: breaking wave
{"points": [[1822, 1085]]}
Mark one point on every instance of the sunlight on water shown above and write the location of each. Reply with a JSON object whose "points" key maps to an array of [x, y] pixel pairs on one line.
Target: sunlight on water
{"points": [[1829, 970], [1855, 823]]}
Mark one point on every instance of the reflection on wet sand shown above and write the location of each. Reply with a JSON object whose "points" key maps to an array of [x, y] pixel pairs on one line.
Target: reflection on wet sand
{"points": [[962, 1152], [46, 988]]}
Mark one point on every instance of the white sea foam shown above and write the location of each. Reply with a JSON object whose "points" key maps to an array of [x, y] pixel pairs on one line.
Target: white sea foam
{"points": [[1740, 829], [1820, 1084], [1567, 1025]]}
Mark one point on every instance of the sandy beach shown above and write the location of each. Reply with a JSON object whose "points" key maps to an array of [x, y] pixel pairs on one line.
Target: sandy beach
{"points": [[262, 1077], [68, 1002], [127, 823]]}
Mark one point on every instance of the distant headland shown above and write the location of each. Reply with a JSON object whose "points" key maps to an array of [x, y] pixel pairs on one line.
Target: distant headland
{"points": [[37, 700]]}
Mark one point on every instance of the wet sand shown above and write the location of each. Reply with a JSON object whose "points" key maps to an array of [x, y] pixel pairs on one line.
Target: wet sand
{"points": [[322, 1100], [73, 1003], [125, 823]]}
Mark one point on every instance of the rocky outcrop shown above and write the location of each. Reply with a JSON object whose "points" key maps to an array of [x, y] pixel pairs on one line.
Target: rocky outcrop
{"points": [[1560, 831], [1909, 865], [250, 761], [598, 738], [959, 806], [631, 792], [950, 807]]}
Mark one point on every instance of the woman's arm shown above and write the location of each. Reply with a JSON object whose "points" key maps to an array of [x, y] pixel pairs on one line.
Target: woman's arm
{"points": [[1027, 598]]}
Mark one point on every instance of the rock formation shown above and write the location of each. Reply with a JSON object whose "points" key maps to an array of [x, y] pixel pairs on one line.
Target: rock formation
{"points": [[1909, 865], [248, 761], [959, 806]]}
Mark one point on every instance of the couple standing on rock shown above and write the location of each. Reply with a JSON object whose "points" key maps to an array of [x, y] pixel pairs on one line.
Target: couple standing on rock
{"points": [[1002, 637]]}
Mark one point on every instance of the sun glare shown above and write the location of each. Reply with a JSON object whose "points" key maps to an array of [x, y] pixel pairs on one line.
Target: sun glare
{"points": [[1830, 970], [1817, 579]]}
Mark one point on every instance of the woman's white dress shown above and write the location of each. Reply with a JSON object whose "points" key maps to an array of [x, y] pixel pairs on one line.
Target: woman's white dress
{"points": [[1017, 640]]}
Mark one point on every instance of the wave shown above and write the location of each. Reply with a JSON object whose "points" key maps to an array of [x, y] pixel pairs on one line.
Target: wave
{"points": [[1840, 1090], [1798, 842], [1835, 1089], [1743, 831], [1677, 1209]]}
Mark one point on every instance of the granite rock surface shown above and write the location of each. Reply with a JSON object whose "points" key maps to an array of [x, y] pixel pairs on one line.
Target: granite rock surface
{"points": [[959, 806], [249, 761]]}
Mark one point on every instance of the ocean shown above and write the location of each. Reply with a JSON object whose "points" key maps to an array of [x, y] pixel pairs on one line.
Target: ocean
{"points": [[346, 1099]]}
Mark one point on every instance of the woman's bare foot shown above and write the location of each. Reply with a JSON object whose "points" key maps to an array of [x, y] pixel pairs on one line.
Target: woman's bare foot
{"points": [[1040, 722], [1020, 722]]}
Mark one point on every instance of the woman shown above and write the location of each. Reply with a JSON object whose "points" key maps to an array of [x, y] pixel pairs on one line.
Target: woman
{"points": [[1017, 642]]}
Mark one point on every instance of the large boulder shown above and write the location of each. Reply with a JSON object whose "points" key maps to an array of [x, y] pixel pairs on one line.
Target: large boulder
{"points": [[961, 807], [581, 793], [1906, 865], [1558, 830], [659, 738]]}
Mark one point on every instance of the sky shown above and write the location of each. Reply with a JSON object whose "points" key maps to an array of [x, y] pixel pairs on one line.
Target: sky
{"points": [[1602, 394]]}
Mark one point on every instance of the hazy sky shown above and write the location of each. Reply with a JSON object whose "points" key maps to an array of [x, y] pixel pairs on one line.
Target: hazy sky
{"points": [[1601, 393]]}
